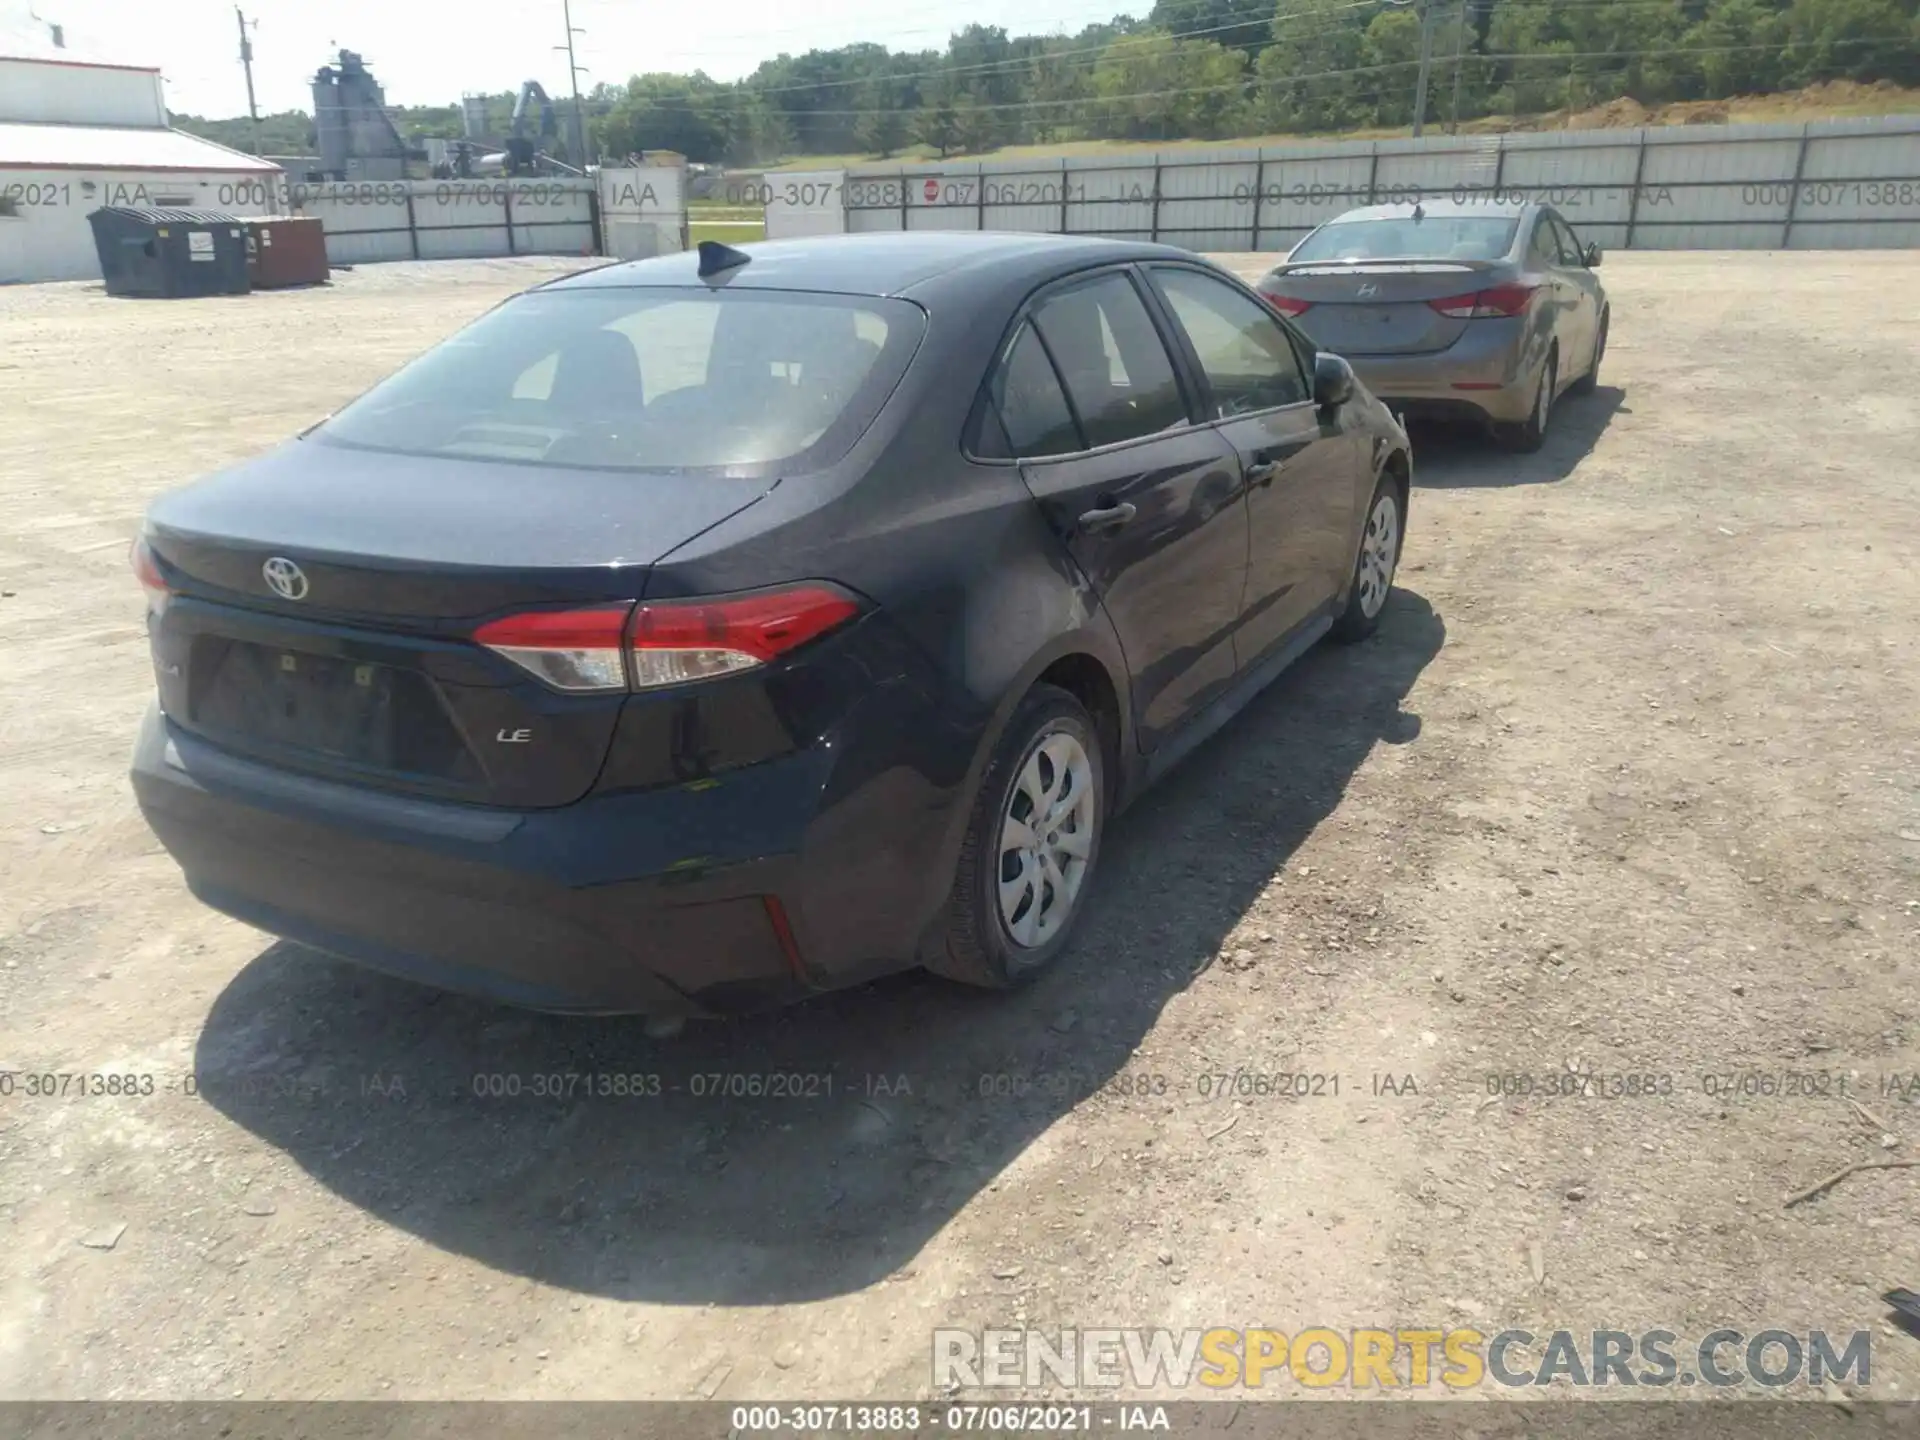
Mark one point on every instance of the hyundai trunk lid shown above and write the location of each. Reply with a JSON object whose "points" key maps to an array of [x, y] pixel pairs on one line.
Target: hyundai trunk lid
{"points": [[1379, 307]]}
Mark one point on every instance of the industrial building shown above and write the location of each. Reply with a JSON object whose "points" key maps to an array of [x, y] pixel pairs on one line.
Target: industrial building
{"points": [[77, 133]]}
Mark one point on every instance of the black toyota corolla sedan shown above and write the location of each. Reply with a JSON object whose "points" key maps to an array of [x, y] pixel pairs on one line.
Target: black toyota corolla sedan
{"points": [[712, 630]]}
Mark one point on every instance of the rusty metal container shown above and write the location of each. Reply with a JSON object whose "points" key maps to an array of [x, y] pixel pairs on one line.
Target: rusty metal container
{"points": [[286, 250]]}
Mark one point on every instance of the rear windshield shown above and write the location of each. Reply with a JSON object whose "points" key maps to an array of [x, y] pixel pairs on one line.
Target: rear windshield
{"points": [[1432, 237], [741, 382]]}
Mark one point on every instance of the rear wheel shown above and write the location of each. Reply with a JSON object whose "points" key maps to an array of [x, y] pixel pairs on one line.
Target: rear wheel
{"points": [[1031, 845], [1530, 434], [1373, 568], [1588, 382]]}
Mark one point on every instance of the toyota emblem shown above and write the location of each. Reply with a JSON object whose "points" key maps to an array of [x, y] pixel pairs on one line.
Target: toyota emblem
{"points": [[286, 579]]}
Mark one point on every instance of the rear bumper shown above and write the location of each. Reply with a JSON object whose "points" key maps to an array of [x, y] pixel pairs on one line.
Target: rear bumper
{"points": [[654, 902], [1485, 373]]}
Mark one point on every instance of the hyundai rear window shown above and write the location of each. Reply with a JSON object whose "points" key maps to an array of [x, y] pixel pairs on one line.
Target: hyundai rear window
{"points": [[632, 379], [1432, 237]]}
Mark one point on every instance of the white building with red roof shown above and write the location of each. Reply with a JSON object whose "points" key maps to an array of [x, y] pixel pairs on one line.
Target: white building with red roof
{"points": [[78, 132]]}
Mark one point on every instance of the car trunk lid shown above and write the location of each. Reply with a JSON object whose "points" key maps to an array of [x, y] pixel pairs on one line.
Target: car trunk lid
{"points": [[1378, 308], [322, 602]]}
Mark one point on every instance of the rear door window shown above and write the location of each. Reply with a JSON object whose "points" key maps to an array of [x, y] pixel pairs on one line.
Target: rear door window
{"points": [[1025, 392], [1111, 360], [1543, 251], [752, 382], [1571, 252], [1248, 361]]}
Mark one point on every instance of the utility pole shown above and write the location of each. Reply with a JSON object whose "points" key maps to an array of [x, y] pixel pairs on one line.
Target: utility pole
{"points": [[573, 80], [1426, 64], [246, 63], [1459, 50]]}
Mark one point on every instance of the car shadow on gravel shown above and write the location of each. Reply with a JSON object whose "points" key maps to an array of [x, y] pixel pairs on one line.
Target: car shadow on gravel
{"points": [[1465, 457], [583, 1155]]}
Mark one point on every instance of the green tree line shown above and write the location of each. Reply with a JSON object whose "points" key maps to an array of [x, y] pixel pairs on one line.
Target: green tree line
{"points": [[1219, 69]]}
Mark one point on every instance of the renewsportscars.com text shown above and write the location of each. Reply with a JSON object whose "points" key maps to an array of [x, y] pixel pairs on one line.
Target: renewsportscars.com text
{"points": [[1453, 1358]]}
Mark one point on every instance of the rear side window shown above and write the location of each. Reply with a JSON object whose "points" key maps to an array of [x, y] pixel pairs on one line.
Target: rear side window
{"points": [[1248, 361], [1544, 248], [1570, 251], [1115, 369], [647, 379], [1033, 411]]}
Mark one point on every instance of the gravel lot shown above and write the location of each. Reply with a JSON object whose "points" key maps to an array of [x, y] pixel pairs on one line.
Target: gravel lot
{"points": [[1627, 783]]}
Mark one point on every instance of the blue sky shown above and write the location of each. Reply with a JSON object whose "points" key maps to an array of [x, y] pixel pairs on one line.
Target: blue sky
{"points": [[430, 54]]}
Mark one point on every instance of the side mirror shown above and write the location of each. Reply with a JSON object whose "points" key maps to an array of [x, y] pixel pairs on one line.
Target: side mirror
{"points": [[1593, 257], [1332, 381]]}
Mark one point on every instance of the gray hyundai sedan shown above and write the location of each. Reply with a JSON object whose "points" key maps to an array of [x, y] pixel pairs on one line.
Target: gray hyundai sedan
{"points": [[1453, 309]]}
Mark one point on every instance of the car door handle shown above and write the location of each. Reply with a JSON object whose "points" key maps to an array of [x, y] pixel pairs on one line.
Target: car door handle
{"points": [[1109, 517], [1263, 473]]}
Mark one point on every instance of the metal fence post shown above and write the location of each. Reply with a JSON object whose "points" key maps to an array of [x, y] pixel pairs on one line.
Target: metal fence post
{"points": [[1154, 234], [903, 201], [594, 220], [1063, 197], [1259, 194], [1373, 170], [506, 204], [1633, 195], [413, 230], [1499, 164], [1793, 195], [980, 200]]}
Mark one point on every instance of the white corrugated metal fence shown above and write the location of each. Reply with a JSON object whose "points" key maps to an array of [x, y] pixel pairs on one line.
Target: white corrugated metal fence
{"points": [[1831, 184], [370, 220]]}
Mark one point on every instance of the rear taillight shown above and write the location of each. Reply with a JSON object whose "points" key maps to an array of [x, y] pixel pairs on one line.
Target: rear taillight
{"points": [[674, 641], [1286, 304], [668, 642], [1500, 301], [569, 649], [147, 571]]}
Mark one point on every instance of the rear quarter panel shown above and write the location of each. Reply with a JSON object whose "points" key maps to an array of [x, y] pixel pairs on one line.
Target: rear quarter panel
{"points": [[975, 596]]}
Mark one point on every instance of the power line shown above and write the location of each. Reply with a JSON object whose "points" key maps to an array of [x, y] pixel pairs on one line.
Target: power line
{"points": [[1025, 62], [246, 64], [876, 21], [1426, 65], [1459, 50], [1028, 61], [747, 92]]}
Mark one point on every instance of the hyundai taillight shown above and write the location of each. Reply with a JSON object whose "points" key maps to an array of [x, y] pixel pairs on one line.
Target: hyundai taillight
{"points": [[147, 571], [666, 642], [1497, 302], [1286, 304]]}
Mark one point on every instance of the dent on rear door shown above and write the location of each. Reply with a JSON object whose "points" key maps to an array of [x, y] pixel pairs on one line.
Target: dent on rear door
{"points": [[1173, 576]]}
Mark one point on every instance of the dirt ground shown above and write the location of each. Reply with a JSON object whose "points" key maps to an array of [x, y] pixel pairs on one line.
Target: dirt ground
{"points": [[1626, 784]]}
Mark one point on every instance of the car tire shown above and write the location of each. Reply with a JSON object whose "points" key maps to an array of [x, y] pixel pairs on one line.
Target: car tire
{"points": [[1374, 565], [1530, 434], [999, 943], [1590, 381]]}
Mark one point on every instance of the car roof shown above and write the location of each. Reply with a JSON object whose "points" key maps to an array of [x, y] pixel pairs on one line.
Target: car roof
{"points": [[1440, 205], [888, 263]]}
